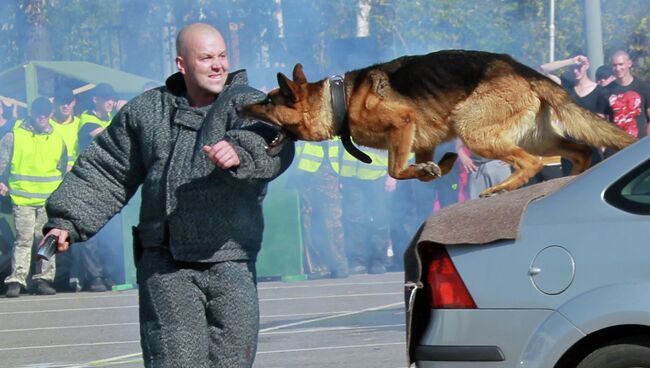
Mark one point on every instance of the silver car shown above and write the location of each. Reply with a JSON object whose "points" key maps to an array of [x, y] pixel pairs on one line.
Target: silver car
{"points": [[568, 287]]}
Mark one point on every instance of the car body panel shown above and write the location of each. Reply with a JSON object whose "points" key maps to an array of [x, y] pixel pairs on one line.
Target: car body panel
{"points": [[602, 276]]}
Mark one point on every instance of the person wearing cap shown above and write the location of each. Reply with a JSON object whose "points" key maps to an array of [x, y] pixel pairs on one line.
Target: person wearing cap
{"points": [[95, 120], [64, 122], [37, 159], [93, 253], [604, 75], [203, 173]]}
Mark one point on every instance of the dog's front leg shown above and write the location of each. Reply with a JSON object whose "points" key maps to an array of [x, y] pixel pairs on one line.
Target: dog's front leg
{"points": [[400, 141]]}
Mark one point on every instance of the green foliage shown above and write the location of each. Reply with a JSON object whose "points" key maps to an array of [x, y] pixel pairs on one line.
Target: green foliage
{"points": [[138, 35]]}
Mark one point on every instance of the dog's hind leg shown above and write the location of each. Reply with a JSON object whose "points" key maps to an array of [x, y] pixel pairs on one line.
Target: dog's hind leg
{"points": [[524, 165], [500, 120], [578, 153]]}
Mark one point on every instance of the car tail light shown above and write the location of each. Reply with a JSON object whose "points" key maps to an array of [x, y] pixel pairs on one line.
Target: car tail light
{"points": [[447, 288]]}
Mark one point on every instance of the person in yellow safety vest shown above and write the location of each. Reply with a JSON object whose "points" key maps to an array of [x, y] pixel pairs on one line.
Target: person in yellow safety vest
{"points": [[93, 255], [365, 211], [317, 182], [94, 121], [64, 122], [37, 157]]}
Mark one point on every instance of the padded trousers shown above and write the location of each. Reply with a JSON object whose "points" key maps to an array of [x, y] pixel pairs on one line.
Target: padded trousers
{"points": [[196, 314]]}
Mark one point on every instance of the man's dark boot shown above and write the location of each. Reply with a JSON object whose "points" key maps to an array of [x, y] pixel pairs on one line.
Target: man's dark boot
{"points": [[43, 287], [13, 290], [97, 285]]}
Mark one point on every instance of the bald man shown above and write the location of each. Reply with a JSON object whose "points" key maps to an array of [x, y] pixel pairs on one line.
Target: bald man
{"points": [[626, 101], [204, 174]]}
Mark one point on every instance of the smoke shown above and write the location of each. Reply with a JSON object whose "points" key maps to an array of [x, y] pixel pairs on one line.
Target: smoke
{"points": [[326, 36]]}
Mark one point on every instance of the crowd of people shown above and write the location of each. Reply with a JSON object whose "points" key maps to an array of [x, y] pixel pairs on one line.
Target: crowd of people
{"points": [[36, 151]]}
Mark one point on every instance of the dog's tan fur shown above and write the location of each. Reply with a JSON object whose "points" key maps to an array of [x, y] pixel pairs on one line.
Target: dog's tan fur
{"points": [[499, 108]]}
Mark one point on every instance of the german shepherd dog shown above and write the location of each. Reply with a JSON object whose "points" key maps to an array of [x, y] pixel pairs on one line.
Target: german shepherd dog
{"points": [[499, 108]]}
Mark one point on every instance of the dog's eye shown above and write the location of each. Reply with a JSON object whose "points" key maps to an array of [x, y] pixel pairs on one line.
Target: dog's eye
{"points": [[268, 100]]}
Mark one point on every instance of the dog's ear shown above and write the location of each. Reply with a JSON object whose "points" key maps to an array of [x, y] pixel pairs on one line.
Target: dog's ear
{"points": [[379, 82], [288, 88], [299, 75], [378, 88]]}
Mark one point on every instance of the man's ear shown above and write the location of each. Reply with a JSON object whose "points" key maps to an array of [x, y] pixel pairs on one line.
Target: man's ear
{"points": [[180, 64], [288, 88], [299, 75]]}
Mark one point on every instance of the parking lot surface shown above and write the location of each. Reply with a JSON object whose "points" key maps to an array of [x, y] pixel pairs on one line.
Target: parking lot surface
{"points": [[353, 322]]}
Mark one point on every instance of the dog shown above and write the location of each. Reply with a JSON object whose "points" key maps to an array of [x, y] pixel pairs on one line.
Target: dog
{"points": [[498, 107]]}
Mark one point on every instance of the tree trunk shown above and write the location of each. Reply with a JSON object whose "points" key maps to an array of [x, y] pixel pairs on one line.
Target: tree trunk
{"points": [[36, 45]]}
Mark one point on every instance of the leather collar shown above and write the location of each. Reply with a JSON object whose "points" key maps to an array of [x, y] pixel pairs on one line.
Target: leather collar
{"points": [[339, 106]]}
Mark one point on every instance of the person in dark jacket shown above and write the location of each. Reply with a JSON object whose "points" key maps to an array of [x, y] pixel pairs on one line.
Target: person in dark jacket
{"points": [[204, 174]]}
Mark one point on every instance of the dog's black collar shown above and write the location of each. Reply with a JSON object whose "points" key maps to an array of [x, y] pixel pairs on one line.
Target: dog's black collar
{"points": [[339, 106]]}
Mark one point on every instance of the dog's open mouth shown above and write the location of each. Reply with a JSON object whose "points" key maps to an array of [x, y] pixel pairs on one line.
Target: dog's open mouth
{"points": [[283, 136]]}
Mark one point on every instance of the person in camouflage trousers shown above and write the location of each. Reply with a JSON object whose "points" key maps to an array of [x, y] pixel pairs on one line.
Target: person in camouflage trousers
{"points": [[37, 159], [317, 181]]}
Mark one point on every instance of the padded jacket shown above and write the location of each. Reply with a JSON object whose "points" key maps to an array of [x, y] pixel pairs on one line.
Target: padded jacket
{"points": [[201, 212]]}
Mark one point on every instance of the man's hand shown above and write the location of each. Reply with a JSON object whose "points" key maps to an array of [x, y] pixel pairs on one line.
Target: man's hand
{"points": [[3, 189], [222, 154], [63, 239], [466, 161], [390, 184]]}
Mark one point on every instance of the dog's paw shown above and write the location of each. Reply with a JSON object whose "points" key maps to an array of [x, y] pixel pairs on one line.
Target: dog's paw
{"points": [[427, 171]]}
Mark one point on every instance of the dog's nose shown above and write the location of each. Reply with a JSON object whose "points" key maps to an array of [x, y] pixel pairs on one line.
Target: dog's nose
{"points": [[239, 110]]}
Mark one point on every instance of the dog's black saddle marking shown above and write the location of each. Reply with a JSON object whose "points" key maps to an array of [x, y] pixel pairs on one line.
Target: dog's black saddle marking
{"points": [[339, 106]]}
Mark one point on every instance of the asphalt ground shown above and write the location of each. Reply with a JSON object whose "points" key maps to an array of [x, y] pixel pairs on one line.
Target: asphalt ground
{"points": [[353, 322]]}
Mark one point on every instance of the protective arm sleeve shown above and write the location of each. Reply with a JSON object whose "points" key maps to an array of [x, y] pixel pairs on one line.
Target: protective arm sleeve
{"points": [[104, 178], [251, 140]]}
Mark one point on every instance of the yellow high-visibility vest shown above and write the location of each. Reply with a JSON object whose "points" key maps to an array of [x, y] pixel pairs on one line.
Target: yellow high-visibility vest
{"points": [[69, 130], [35, 171], [351, 167], [88, 117], [311, 155]]}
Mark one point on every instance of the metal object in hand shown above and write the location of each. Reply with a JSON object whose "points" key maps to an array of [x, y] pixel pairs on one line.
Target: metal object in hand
{"points": [[47, 250]]}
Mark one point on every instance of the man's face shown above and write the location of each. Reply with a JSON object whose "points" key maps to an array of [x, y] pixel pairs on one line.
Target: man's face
{"points": [[579, 71], [204, 63], [66, 109], [42, 121], [621, 66], [104, 104], [604, 82]]}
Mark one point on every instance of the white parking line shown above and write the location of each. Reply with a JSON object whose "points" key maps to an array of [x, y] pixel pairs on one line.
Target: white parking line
{"points": [[293, 324], [261, 300], [332, 348], [329, 296], [67, 310], [72, 345], [331, 313], [114, 360], [262, 333], [76, 297], [70, 327], [329, 329], [311, 285]]}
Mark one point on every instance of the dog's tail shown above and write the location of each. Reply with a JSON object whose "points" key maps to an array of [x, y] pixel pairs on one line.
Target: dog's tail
{"points": [[580, 123]]}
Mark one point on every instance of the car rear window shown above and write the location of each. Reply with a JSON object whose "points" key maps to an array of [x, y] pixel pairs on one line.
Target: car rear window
{"points": [[631, 193]]}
